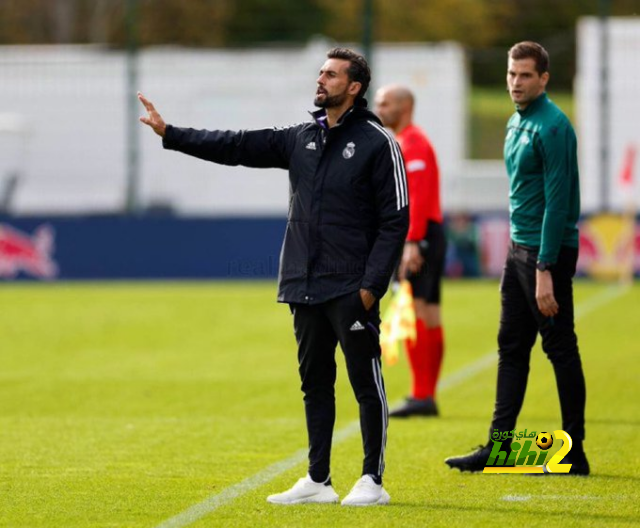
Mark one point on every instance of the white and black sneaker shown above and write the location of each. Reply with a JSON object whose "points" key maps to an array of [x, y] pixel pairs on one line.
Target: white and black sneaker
{"points": [[366, 493], [306, 491]]}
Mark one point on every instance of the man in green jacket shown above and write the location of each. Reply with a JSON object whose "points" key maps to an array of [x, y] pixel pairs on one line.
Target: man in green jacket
{"points": [[536, 287]]}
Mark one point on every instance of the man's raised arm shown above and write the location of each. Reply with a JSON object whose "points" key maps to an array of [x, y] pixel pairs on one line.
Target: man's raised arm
{"points": [[264, 148]]}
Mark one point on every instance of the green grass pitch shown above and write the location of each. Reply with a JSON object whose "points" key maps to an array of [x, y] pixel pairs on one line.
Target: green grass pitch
{"points": [[123, 405]]}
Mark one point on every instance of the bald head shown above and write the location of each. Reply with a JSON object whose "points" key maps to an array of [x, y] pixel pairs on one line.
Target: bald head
{"points": [[400, 93], [394, 106]]}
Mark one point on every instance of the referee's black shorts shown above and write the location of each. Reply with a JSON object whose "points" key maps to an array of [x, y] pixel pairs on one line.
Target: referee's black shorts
{"points": [[426, 284]]}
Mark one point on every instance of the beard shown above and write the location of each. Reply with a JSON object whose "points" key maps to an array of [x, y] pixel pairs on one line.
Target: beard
{"points": [[330, 101]]}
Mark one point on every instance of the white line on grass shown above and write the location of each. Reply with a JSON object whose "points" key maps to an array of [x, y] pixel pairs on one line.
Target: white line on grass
{"points": [[269, 473], [600, 299], [568, 498]]}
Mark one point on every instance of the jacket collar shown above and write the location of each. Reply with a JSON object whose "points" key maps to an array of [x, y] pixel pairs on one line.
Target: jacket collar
{"points": [[359, 109], [534, 105]]}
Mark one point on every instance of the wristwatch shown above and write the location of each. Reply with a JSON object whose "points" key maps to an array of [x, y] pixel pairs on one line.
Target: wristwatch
{"points": [[543, 266]]}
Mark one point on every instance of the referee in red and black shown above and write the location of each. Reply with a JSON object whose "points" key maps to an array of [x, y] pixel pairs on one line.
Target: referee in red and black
{"points": [[424, 250], [347, 222]]}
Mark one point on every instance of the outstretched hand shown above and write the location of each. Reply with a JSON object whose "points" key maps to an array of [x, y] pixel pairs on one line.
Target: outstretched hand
{"points": [[153, 118]]}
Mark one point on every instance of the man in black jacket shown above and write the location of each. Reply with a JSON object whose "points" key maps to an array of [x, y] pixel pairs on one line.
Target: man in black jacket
{"points": [[348, 218]]}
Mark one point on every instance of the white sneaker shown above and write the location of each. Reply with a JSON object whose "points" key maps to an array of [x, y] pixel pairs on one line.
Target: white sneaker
{"points": [[305, 491], [366, 493]]}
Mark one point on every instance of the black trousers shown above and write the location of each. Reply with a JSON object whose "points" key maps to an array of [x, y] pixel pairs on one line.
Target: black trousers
{"points": [[520, 323], [318, 330]]}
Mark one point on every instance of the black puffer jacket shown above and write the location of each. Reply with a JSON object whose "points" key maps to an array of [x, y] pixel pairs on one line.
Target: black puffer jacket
{"points": [[348, 204]]}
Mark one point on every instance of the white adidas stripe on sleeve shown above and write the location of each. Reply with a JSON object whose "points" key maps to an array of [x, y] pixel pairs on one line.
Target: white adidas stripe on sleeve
{"points": [[398, 167]]}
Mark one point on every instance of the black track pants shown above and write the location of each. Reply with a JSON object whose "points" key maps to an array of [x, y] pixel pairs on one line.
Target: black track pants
{"points": [[318, 329]]}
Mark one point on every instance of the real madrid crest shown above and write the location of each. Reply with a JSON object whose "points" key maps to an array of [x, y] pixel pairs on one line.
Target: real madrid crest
{"points": [[349, 151]]}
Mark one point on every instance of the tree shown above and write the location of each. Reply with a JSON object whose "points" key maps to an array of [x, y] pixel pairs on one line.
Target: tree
{"points": [[486, 27], [472, 22], [255, 21]]}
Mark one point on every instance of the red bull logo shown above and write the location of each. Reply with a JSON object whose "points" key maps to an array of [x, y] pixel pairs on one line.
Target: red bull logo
{"points": [[609, 246], [31, 255]]}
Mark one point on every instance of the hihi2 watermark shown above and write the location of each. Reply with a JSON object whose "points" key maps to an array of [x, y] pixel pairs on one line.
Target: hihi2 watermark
{"points": [[523, 457]]}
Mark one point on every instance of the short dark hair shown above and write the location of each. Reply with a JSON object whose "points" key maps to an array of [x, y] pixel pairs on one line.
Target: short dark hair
{"points": [[531, 50], [358, 70]]}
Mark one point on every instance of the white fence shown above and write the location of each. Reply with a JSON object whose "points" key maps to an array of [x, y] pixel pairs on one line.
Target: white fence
{"points": [[623, 61], [62, 122], [69, 148]]}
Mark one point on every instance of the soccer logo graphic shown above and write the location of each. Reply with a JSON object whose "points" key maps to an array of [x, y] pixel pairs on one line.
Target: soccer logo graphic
{"points": [[349, 151], [544, 440]]}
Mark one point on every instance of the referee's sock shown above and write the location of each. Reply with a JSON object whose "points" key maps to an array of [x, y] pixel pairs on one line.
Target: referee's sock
{"points": [[434, 352], [425, 357], [417, 352]]}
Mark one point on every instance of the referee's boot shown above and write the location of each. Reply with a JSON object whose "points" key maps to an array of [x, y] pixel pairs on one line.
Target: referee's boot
{"points": [[578, 460], [579, 464], [476, 460], [415, 407]]}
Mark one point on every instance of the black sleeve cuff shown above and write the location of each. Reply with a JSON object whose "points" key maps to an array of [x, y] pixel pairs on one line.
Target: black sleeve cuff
{"points": [[168, 141]]}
